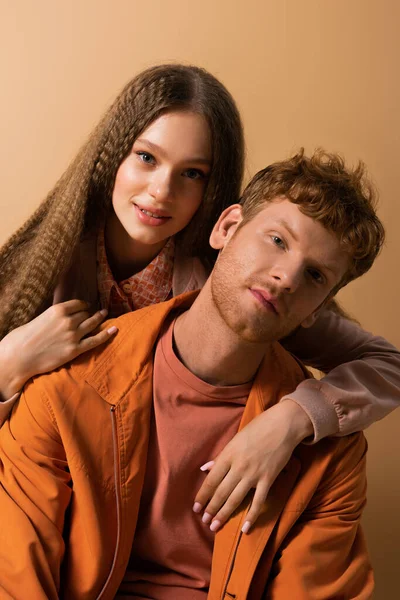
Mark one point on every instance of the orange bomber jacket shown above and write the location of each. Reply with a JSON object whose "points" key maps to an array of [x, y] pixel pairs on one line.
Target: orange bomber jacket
{"points": [[72, 464]]}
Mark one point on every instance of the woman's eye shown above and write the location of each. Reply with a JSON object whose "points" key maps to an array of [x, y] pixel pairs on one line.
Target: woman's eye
{"points": [[146, 157], [278, 242], [194, 174], [316, 276]]}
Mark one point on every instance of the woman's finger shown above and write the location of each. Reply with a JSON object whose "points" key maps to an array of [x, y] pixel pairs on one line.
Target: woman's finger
{"points": [[91, 323], [207, 466], [234, 499], [210, 484], [96, 340], [260, 496], [74, 320], [220, 496], [71, 306]]}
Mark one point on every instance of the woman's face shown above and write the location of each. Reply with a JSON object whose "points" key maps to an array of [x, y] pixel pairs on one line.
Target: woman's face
{"points": [[160, 185]]}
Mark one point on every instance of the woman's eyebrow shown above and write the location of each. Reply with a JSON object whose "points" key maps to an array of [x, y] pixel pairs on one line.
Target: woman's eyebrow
{"points": [[156, 148]]}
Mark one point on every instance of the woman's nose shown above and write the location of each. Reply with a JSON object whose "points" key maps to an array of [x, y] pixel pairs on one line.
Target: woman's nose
{"points": [[161, 185]]}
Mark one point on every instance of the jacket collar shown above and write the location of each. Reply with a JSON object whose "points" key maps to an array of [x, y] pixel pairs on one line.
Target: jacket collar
{"points": [[113, 370]]}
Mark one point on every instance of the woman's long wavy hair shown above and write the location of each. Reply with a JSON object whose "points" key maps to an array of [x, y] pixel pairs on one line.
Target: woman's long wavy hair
{"points": [[33, 259]]}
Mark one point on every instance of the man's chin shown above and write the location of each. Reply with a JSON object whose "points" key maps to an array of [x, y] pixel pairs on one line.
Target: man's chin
{"points": [[256, 335], [288, 335]]}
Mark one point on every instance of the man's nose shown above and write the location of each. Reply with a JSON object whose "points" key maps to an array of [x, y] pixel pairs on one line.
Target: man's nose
{"points": [[161, 185], [287, 276]]}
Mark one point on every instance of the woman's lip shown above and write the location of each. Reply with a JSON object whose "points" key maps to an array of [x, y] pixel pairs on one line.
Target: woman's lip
{"points": [[154, 211], [263, 299], [149, 220]]}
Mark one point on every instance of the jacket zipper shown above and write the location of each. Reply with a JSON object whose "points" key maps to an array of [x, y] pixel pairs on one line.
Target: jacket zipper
{"points": [[117, 498], [224, 592]]}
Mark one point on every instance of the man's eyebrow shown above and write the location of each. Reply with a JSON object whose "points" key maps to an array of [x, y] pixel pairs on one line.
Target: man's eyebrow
{"points": [[317, 264], [322, 266], [155, 148], [287, 226]]}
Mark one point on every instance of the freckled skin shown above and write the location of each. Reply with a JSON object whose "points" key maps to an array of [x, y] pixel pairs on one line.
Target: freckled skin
{"points": [[263, 254]]}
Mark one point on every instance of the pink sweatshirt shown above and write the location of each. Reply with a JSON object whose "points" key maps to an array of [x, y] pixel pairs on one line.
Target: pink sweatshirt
{"points": [[362, 384]]}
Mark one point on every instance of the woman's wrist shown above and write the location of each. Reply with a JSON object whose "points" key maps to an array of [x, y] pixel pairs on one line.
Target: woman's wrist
{"points": [[11, 379], [301, 426]]}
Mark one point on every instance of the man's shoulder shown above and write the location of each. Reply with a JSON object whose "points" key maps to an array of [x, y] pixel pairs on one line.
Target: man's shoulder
{"points": [[130, 347], [353, 446], [279, 374], [336, 464]]}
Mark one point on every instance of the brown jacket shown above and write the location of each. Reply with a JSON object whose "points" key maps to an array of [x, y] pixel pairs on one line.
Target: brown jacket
{"points": [[72, 462]]}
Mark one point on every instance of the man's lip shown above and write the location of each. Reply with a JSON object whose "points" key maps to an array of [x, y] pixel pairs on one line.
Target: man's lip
{"points": [[154, 211], [266, 298]]}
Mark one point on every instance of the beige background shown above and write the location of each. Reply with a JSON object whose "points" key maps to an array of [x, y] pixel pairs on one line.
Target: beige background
{"points": [[310, 72]]}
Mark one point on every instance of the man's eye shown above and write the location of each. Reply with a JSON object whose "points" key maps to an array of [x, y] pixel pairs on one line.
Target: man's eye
{"points": [[194, 174], [146, 157], [316, 276], [278, 242]]}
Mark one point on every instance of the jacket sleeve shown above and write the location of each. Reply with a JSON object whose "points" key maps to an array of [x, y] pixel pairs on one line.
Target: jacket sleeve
{"points": [[363, 381], [6, 407], [325, 555], [34, 494]]}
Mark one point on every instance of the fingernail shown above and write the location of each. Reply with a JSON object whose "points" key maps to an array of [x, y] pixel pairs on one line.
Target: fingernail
{"points": [[215, 525], [197, 507], [104, 312], [207, 466], [246, 527], [206, 518], [112, 329]]}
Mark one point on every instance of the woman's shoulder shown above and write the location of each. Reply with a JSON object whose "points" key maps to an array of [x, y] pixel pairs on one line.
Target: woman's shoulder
{"points": [[189, 272]]}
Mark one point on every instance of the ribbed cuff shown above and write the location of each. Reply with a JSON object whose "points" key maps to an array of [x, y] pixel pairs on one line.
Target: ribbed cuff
{"points": [[318, 407]]}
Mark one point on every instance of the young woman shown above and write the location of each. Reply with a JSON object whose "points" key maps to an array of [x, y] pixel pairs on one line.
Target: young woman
{"points": [[127, 225]]}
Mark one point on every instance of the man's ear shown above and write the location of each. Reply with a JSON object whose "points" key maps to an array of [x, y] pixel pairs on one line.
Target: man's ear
{"points": [[226, 226]]}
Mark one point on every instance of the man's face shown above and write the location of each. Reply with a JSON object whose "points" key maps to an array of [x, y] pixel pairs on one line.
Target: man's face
{"points": [[273, 273]]}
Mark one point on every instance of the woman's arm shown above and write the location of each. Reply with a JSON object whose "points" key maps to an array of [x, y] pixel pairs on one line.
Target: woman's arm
{"points": [[363, 386], [50, 340], [363, 381]]}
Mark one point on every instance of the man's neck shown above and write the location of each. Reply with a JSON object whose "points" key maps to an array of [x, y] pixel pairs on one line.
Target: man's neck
{"points": [[210, 349]]}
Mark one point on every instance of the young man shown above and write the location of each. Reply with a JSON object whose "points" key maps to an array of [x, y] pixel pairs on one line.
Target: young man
{"points": [[96, 457]]}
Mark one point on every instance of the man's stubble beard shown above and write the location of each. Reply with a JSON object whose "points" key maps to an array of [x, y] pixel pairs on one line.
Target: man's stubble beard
{"points": [[226, 298], [265, 328]]}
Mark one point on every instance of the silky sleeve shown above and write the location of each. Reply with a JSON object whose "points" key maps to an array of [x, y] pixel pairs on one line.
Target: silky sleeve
{"points": [[362, 381]]}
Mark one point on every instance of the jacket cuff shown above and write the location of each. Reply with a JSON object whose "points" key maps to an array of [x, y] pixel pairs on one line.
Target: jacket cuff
{"points": [[6, 407], [318, 407]]}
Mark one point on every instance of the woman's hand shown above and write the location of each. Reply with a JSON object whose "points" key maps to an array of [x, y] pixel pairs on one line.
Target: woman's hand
{"points": [[252, 459], [55, 337]]}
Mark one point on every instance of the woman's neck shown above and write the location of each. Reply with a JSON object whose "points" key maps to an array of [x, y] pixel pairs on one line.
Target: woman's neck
{"points": [[125, 255]]}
